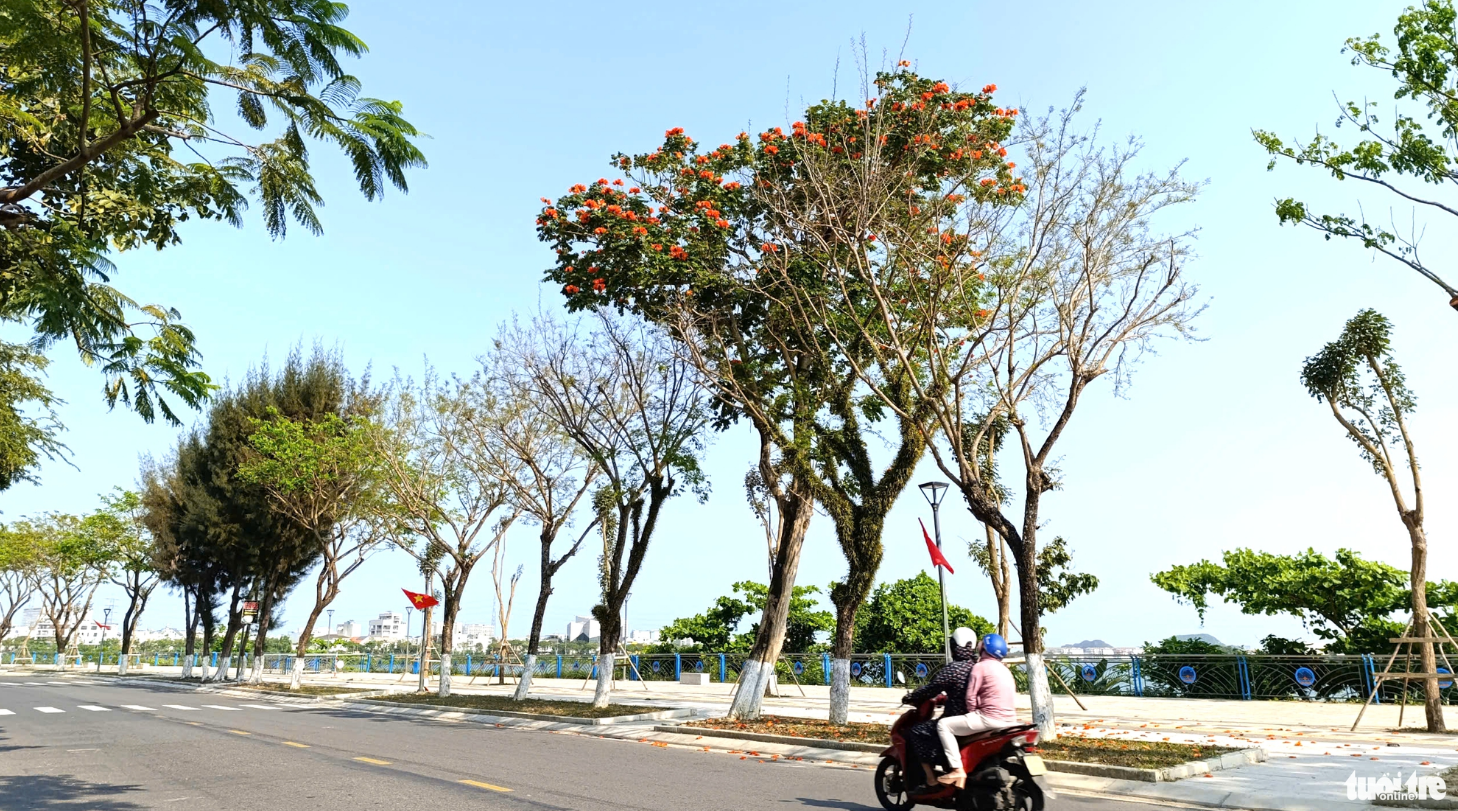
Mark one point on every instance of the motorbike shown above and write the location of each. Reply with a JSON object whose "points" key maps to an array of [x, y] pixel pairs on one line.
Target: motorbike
{"points": [[1004, 770]]}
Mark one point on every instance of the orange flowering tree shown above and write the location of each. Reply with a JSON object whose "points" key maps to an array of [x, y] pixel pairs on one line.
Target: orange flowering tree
{"points": [[712, 244]]}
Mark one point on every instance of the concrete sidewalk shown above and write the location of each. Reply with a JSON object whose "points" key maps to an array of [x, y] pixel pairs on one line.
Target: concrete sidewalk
{"points": [[1310, 751]]}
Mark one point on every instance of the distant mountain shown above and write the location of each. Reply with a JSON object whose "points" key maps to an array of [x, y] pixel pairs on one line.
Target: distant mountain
{"points": [[1198, 638], [1090, 643]]}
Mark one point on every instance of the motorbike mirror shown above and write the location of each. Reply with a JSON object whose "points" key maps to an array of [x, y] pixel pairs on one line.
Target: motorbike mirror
{"points": [[900, 677]]}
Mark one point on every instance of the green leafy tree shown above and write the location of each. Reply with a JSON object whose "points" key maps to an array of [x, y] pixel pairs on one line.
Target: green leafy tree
{"points": [[906, 617], [717, 629], [324, 475], [73, 556], [29, 424], [112, 139], [19, 559], [1346, 601], [1058, 584], [1407, 156], [1367, 394], [120, 518]]}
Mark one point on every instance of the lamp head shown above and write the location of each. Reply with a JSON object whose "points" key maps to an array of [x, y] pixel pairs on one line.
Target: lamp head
{"points": [[934, 491]]}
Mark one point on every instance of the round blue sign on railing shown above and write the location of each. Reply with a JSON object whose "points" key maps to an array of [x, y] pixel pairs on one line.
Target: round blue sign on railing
{"points": [[1089, 673], [1187, 674], [856, 669], [921, 670], [1443, 685], [657, 665], [799, 668], [1305, 676]]}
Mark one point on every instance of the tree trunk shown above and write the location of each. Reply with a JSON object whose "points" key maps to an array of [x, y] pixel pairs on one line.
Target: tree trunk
{"points": [[1422, 627], [866, 526], [759, 666], [603, 695], [524, 684], [423, 682], [260, 642], [189, 643], [230, 635], [997, 572], [296, 674], [1040, 696], [450, 608]]}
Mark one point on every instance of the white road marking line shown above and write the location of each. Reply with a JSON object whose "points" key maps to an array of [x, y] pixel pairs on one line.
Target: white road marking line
{"points": [[258, 706], [56, 683], [7, 712], [93, 708], [180, 707], [34, 684], [47, 709], [221, 707], [138, 707]]}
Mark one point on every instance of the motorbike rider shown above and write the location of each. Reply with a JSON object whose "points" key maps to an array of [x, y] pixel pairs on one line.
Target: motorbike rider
{"points": [[951, 680], [989, 704]]}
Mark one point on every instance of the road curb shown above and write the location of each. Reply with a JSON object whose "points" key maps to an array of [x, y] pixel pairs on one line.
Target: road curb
{"points": [[761, 737], [1168, 774], [424, 709]]}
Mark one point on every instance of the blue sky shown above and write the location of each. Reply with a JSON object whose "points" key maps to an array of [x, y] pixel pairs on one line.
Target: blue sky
{"points": [[1216, 445]]}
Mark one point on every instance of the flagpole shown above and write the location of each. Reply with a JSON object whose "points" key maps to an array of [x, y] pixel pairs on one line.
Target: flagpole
{"points": [[942, 584], [422, 684], [933, 492]]}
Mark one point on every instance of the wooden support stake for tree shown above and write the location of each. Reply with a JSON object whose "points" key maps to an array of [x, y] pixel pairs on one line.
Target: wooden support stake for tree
{"points": [[1377, 682]]}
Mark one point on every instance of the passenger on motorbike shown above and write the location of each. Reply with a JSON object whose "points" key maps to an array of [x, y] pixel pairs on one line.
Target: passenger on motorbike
{"points": [[951, 680], [989, 704]]}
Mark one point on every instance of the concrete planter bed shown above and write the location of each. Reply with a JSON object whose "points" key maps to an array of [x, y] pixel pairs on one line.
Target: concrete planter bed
{"points": [[1194, 768], [429, 708]]}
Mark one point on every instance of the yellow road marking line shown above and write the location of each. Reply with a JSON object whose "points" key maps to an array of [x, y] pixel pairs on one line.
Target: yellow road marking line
{"points": [[297, 745], [372, 760], [239, 732], [478, 784]]}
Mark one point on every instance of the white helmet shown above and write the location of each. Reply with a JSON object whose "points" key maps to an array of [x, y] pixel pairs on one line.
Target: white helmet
{"points": [[962, 637]]}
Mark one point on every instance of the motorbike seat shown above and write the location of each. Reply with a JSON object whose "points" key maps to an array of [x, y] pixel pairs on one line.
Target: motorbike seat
{"points": [[963, 740]]}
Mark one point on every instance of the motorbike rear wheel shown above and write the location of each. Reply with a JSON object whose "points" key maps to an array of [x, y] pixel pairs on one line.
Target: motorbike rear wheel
{"points": [[891, 788]]}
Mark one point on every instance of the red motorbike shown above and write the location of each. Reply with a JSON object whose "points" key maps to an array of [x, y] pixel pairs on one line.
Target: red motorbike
{"points": [[1004, 770]]}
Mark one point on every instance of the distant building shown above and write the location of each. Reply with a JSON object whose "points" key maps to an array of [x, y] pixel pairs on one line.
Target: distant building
{"points": [[475, 635], [388, 626], [91, 633], [584, 629], [350, 628], [646, 637]]}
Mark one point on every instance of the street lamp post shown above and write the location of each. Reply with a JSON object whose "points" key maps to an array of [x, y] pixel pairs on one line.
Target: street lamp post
{"points": [[934, 491], [101, 647], [330, 630]]}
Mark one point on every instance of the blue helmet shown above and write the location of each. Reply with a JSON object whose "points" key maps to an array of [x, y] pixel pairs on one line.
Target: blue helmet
{"points": [[994, 645]]}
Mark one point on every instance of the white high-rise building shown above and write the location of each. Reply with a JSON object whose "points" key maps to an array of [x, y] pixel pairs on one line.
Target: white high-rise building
{"points": [[584, 629], [350, 628], [647, 637], [388, 626], [473, 635]]}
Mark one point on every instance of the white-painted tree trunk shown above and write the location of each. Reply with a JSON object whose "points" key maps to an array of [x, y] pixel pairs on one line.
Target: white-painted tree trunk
{"points": [[444, 687], [255, 676], [1040, 696], [187, 667], [203, 663], [604, 692], [839, 691], [750, 693], [121, 665], [296, 673], [525, 682]]}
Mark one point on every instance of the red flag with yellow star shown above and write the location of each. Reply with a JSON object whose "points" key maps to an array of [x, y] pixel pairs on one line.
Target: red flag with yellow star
{"points": [[420, 600]]}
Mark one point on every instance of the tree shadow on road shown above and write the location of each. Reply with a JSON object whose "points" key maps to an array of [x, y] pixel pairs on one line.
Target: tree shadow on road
{"points": [[18, 792], [840, 805]]}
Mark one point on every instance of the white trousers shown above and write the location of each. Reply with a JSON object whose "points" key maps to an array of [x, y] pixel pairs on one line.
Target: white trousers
{"points": [[949, 728]]}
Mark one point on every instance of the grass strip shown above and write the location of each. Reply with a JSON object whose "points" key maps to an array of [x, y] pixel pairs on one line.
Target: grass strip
{"points": [[573, 709]]}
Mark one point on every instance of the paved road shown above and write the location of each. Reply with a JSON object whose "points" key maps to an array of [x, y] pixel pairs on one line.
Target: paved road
{"points": [[73, 742]]}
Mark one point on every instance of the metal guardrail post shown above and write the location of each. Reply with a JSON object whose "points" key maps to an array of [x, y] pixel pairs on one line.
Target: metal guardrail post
{"points": [[559, 665], [825, 667], [723, 670], [677, 666], [890, 677]]}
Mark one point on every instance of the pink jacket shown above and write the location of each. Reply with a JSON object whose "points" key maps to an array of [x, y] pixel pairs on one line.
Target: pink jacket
{"points": [[990, 691]]}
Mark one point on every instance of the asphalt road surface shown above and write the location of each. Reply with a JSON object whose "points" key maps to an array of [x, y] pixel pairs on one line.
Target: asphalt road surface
{"points": [[78, 743]]}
